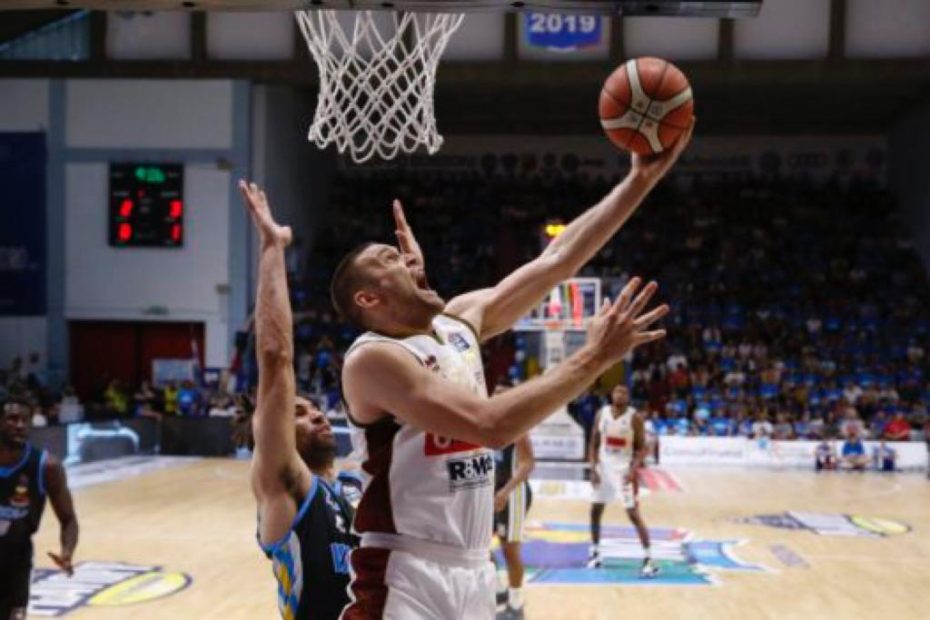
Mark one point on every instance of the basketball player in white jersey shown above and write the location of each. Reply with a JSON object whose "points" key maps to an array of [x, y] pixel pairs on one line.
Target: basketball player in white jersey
{"points": [[618, 449], [415, 384]]}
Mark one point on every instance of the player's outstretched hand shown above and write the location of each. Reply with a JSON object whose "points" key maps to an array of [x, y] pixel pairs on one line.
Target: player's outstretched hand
{"points": [[654, 167], [63, 561], [406, 241], [257, 204], [624, 325]]}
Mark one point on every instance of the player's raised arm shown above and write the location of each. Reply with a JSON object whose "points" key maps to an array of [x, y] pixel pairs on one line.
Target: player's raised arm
{"points": [[278, 473], [383, 377], [497, 309]]}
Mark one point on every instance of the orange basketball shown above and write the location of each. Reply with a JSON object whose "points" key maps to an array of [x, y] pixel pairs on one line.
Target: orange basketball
{"points": [[645, 105]]}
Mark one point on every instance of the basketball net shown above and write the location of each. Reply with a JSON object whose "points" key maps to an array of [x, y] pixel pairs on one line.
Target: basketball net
{"points": [[376, 81]]}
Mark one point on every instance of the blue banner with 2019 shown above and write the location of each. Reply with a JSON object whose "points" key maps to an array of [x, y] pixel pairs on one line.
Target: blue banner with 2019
{"points": [[22, 224], [562, 32]]}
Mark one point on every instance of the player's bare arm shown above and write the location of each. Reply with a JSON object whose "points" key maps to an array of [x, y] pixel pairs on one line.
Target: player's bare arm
{"points": [[495, 310], [62, 503], [279, 476], [593, 449], [639, 446], [526, 463], [383, 379]]}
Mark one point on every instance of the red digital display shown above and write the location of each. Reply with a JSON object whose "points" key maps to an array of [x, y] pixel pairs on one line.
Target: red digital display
{"points": [[146, 205]]}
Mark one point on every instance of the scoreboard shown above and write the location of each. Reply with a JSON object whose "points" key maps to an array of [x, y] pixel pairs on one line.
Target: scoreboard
{"points": [[146, 205]]}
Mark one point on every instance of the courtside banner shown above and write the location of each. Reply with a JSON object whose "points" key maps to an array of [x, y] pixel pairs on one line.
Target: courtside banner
{"points": [[742, 452]]}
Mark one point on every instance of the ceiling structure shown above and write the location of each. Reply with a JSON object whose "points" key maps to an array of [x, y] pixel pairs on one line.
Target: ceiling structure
{"points": [[736, 92]]}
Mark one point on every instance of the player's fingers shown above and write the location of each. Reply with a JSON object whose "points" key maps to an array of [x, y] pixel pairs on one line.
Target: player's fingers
{"points": [[651, 317], [605, 307], [644, 337], [399, 216], [403, 240], [642, 299], [623, 299], [244, 189], [685, 137]]}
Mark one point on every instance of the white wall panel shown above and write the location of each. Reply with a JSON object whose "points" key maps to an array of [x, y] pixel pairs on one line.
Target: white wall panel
{"points": [[785, 29], [23, 105], [480, 37], [104, 282], [251, 36], [173, 114], [138, 35], [675, 38], [887, 28]]}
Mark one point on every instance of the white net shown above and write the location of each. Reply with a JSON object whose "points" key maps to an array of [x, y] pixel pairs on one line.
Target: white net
{"points": [[376, 80]]}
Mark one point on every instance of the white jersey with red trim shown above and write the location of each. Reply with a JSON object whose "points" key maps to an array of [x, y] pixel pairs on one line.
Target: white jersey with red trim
{"points": [[616, 434], [421, 485]]}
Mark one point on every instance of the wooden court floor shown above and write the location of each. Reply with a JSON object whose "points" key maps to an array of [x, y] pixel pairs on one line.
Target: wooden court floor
{"points": [[199, 519]]}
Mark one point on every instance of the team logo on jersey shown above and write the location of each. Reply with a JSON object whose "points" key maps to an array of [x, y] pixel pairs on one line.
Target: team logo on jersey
{"points": [[432, 364], [459, 342], [436, 445], [470, 472], [830, 524], [557, 553], [100, 584], [20, 498]]}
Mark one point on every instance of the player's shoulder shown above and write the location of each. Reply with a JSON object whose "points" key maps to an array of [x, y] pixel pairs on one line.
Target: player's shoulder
{"points": [[376, 356]]}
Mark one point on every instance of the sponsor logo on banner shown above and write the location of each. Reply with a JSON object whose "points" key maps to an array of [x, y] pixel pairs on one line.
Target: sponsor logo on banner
{"points": [[100, 584], [827, 524], [557, 553], [470, 472]]}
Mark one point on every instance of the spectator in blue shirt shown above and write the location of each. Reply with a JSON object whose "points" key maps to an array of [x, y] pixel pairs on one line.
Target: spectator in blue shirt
{"points": [[720, 425], [853, 454]]}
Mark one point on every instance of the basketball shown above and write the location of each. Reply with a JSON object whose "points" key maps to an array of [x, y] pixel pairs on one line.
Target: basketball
{"points": [[645, 105]]}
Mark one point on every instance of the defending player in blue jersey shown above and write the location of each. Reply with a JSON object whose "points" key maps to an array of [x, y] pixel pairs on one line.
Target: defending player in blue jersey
{"points": [[304, 509]]}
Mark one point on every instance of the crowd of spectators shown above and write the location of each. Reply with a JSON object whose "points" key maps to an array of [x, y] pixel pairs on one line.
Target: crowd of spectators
{"points": [[799, 309], [187, 398]]}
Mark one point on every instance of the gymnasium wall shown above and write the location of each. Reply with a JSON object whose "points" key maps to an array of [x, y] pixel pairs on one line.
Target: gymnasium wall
{"points": [[203, 124], [910, 152], [24, 107], [293, 171]]}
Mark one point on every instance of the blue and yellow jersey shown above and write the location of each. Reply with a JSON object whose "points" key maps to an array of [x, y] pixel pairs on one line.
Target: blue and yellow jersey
{"points": [[311, 561]]}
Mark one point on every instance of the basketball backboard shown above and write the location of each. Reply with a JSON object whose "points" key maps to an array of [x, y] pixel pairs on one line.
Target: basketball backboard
{"points": [[568, 307]]}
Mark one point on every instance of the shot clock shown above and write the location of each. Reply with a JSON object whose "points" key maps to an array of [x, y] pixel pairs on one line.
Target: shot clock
{"points": [[146, 205]]}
